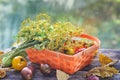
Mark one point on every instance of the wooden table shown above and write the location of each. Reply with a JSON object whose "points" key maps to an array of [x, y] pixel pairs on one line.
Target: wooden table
{"points": [[113, 53]]}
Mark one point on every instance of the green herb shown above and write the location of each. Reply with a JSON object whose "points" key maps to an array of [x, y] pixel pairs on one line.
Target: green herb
{"points": [[41, 33]]}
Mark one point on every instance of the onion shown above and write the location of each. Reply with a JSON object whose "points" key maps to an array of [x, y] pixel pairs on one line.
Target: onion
{"points": [[27, 72], [45, 69], [93, 77], [31, 66]]}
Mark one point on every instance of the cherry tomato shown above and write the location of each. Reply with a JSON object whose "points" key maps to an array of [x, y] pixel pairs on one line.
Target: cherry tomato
{"points": [[79, 49]]}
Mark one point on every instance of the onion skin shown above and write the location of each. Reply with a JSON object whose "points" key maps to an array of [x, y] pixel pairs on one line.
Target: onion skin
{"points": [[45, 69], [93, 77], [27, 72], [31, 66]]}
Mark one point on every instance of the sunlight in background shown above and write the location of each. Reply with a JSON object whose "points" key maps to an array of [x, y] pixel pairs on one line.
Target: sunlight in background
{"points": [[100, 18]]}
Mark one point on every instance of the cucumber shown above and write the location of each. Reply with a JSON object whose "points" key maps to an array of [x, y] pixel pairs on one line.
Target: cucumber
{"points": [[7, 63]]}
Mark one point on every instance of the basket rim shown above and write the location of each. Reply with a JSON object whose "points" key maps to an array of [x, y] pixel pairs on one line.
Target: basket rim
{"points": [[96, 45], [72, 58]]}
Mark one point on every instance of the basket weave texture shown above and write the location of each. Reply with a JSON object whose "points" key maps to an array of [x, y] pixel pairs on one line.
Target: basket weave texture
{"points": [[67, 63]]}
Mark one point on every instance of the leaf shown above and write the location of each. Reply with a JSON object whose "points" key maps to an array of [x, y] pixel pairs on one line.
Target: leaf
{"points": [[62, 75], [103, 71], [103, 59]]}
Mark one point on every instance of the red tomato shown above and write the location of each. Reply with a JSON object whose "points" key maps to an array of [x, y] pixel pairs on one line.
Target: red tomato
{"points": [[79, 49]]}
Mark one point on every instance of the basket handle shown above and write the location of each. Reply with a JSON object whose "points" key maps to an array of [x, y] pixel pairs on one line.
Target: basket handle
{"points": [[96, 40]]}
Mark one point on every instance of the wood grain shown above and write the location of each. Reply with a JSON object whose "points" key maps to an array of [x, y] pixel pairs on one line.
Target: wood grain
{"points": [[114, 54]]}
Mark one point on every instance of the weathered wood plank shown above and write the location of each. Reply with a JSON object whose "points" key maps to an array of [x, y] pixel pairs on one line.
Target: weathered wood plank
{"points": [[114, 54]]}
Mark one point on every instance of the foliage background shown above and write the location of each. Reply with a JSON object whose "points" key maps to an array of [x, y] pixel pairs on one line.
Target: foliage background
{"points": [[100, 18]]}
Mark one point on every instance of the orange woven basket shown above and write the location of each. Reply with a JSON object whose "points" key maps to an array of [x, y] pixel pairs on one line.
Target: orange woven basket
{"points": [[67, 63]]}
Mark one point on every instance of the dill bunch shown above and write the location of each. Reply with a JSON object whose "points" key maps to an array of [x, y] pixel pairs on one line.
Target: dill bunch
{"points": [[40, 33], [52, 36]]}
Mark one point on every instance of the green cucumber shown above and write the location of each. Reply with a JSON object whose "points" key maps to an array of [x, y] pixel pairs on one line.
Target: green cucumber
{"points": [[6, 63]]}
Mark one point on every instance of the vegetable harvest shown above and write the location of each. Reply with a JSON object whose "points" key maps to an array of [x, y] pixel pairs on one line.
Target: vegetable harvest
{"points": [[41, 34]]}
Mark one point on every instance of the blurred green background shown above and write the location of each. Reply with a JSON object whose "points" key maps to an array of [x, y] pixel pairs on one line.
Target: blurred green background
{"points": [[100, 18]]}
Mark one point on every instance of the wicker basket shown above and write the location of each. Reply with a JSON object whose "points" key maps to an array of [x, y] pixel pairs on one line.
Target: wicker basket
{"points": [[67, 63]]}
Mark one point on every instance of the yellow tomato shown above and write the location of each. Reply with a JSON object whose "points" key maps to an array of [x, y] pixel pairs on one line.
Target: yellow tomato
{"points": [[69, 51], [19, 62]]}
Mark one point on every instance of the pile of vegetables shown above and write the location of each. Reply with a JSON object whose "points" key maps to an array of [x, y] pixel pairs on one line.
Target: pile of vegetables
{"points": [[40, 33]]}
